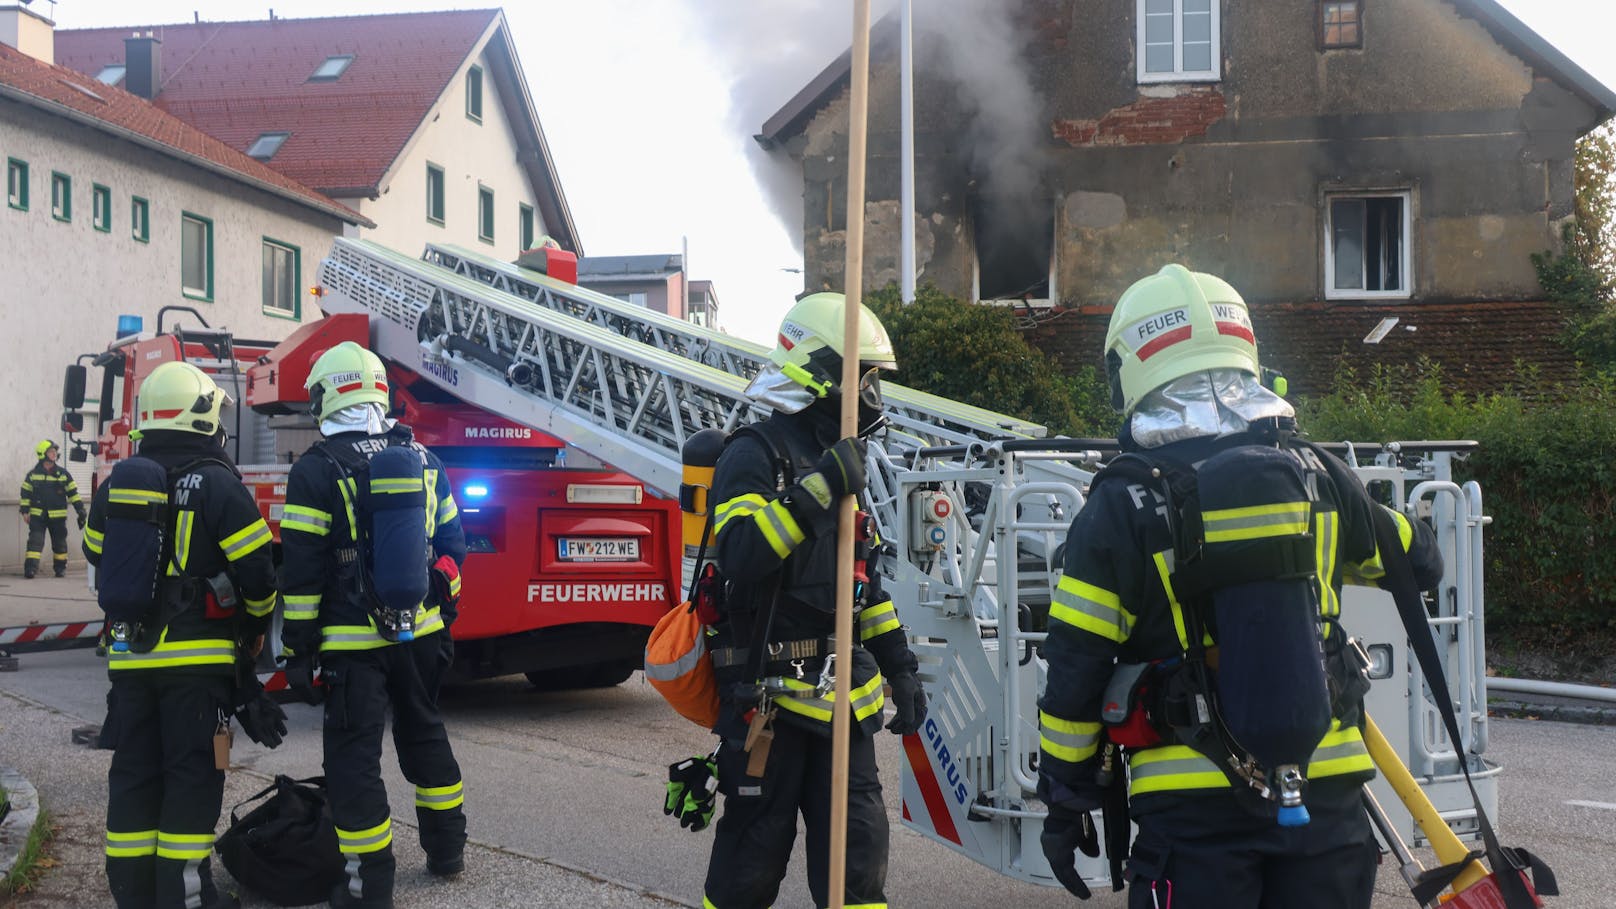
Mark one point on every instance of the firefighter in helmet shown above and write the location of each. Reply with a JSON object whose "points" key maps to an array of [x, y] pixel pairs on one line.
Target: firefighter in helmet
{"points": [[777, 486], [1182, 362], [47, 490], [330, 620], [175, 686]]}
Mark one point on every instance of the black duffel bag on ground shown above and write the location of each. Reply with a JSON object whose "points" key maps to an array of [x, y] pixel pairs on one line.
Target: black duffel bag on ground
{"points": [[286, 848]]}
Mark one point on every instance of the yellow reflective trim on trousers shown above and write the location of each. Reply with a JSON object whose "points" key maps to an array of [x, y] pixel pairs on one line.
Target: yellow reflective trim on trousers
{"points": [[777, 525], [878, 619], [119, 495], [359, 842], [56, 513], [246, 540], [208, 652], [1255, 522], [440, 798], [131, 844], [1093, 609], [184, 846], [1067, 740], [866, 700], [1172, 767], [738, 507]]}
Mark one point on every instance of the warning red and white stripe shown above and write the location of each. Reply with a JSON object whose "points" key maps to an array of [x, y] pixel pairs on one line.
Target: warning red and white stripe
{"points": [[21, 638]]}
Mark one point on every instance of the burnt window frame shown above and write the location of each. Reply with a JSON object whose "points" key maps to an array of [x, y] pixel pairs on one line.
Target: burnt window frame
{"points": [[1319, 25]]}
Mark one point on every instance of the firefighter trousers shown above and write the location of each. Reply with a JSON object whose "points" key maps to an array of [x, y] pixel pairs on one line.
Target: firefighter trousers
{"points": [[362, 685], [1206, 851], [37, 525], [163, 790], [755, 833]]}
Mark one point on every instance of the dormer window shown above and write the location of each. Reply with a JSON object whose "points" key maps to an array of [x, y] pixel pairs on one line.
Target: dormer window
{"points": [[111, 74], [266, 145], [332, 68]]}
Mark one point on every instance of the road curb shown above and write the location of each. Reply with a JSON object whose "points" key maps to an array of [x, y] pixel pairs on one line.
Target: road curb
{"points": [[19, 823], [1586, 714]]}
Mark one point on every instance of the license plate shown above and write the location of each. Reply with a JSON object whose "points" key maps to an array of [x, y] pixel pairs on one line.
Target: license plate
{"points": [[597, 549]]}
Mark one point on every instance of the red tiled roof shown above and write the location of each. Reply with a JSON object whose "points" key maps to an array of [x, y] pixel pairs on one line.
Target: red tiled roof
{"points": [[1481, 346], [235, 80], [64, 92]]}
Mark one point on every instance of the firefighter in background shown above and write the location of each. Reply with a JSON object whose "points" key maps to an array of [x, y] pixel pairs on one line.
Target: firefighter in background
{"points": [[329, 622], [776, 539], [169, 702], [47, 490], [1182, 361]]}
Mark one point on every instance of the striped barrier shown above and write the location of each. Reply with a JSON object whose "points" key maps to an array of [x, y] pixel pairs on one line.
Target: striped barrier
{"points": [[42, 638]]}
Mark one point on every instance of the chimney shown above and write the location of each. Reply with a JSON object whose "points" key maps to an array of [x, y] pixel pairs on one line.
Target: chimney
{"points": [[28, 31], [143, 59]]}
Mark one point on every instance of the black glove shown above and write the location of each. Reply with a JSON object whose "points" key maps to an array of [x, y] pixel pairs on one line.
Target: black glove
{"points": [[262, 719], [22, 510], [1065, 832], [840, 472], [82, 518], [300, 678], [910, 699], [692, 786]]}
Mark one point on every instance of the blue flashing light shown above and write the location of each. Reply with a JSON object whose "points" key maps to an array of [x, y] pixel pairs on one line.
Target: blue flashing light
{"points": [[476, 491], [129, 325]]}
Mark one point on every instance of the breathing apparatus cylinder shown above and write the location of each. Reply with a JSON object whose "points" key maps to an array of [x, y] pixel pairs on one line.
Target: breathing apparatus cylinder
{"points": [[698, 458], [398, 558], [1256, 518]]}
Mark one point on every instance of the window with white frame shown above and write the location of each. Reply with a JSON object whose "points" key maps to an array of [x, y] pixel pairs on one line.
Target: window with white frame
{"points": [[1178, 40], [1367, 248]]}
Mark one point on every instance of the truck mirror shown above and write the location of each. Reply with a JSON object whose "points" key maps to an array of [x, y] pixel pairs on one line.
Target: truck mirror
{"points": [[78, 454], [73, 387], [72, 421]]}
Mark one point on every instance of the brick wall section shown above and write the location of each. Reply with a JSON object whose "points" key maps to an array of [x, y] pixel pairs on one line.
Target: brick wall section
{"points": [[1482, 346], [1148, 121]]}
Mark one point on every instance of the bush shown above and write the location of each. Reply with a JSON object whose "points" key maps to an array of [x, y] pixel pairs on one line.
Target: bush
{"points": [[976, 354], [1547, 479]]}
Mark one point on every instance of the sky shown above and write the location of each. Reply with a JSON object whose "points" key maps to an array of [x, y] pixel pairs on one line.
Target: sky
{"points": [[649, 108]]}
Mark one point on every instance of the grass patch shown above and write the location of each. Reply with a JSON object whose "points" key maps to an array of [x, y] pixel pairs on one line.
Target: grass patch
{"points": [[32, 861]]}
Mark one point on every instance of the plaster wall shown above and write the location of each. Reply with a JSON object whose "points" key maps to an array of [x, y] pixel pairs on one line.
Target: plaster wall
{"points": [[63, 284]]}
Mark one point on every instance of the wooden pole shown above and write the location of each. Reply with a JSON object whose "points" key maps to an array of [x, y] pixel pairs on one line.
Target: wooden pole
{"points": [[841, 718]]}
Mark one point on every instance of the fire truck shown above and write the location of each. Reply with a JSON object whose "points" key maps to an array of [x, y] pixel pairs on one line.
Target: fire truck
{"points": [[570, 561], [973, 505]]}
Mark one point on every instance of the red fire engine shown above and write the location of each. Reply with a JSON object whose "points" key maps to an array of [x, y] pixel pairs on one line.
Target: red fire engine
{"points": [[571, 562]]}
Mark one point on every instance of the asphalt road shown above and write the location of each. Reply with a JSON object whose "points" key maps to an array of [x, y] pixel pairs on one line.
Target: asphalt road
{"points": [[564, 790]]}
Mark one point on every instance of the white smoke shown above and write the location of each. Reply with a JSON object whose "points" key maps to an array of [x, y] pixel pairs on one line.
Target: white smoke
{"points": [[772, 50]]}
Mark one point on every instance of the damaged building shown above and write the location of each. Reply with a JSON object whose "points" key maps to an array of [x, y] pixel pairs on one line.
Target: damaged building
{"points": [[1342, 162]]}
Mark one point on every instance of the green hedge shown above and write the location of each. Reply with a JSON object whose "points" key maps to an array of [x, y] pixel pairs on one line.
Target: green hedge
{"points": [[1547, 469]]}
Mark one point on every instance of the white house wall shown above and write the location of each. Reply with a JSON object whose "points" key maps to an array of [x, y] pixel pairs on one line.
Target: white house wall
{"points": [[470, 154], [64, 284]]}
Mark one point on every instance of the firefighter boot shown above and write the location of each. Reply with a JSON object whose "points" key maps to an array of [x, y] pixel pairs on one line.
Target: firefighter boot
{"points": [[30, 567]]}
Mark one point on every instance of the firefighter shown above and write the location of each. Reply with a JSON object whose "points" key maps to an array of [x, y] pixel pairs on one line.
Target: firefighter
{"points": [[174, 689], [47, 490], [329, 622], [1182, 361], [777, 485]]}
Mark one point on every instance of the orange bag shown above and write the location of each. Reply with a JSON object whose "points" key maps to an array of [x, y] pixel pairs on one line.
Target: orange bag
{"points": [[679, 667]]}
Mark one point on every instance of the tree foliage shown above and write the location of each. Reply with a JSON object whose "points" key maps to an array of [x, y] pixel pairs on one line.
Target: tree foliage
{"points": [[1581, 277], [976, 354]]}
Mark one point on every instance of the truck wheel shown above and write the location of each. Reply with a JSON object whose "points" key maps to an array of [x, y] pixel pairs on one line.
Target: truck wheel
{"points": [[570, 678]]}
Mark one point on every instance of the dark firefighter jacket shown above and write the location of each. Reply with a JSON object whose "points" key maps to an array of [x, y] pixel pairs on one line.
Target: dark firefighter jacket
{"points": [[215, 527], [324, 608], [1114, 603], [762, 541], [48, 490]]}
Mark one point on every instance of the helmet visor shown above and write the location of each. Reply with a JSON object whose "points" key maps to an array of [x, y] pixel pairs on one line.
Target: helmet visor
{"points": [[869, 388]]}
